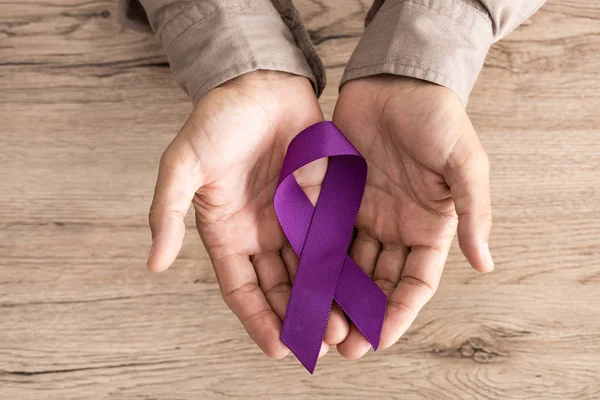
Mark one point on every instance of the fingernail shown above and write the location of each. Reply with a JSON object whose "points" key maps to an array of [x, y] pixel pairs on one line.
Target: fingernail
{"points": [[488, 256], [152, 248], [324, 349]]}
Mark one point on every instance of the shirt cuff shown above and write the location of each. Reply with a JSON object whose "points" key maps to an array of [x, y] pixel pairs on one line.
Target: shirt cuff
{"points": [[210, 42], [444, 42]]}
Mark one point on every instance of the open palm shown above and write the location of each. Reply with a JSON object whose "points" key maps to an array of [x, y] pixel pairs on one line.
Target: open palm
{"points": [[427, 171], [226, 161]]}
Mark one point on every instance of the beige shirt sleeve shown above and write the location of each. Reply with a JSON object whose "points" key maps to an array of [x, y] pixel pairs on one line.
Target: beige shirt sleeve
{"points": [[209, 42], [441, 41]]}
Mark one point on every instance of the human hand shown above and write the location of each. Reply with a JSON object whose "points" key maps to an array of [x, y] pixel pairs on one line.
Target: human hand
{"points": [[427, 173], [226, 161]]}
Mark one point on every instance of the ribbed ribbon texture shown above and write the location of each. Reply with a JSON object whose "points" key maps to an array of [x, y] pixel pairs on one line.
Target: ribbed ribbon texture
{"points": [[320, 236]]}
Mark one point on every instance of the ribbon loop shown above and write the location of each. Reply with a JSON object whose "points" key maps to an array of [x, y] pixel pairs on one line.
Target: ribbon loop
{"points": [[320, 236]]}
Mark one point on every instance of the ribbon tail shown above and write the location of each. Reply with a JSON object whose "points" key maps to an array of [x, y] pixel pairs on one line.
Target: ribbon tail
{"points": [[362, 301], [300, 347]]}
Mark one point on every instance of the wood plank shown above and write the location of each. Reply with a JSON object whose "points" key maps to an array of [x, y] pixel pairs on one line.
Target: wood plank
{"points": [[469, 343]]}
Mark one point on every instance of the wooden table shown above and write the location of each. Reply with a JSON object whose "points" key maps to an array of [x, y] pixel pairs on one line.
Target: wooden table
{"points": [[86, 109]]}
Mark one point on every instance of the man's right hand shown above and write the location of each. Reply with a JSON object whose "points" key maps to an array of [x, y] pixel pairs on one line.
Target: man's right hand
{"points": [[226, 161]]}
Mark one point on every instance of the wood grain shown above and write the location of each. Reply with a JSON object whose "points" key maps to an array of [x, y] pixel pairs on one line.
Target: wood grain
{"points": [[86, 109]]}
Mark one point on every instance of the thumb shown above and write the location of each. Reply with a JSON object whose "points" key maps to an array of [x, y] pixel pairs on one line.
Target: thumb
{"points": [[179, 177], [467, 175]]}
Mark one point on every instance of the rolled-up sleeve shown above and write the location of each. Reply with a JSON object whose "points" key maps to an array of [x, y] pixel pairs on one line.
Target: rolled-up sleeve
{"points": [[208, 42], [441, 41]]}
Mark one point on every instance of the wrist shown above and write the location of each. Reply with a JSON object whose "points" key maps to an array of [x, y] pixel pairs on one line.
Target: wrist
{"points": [[274, 89], [267, 79], [411, 90], [278, 93]]}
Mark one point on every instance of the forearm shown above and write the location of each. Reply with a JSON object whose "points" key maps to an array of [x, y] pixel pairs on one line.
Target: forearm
{"points": [[209, 42], [441, 41]]}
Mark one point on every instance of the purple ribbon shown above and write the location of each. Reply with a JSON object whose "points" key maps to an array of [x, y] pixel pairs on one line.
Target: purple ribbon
{"points": [[320, 236]]}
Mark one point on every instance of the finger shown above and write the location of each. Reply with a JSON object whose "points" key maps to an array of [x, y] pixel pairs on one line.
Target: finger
{"points": [[324, 349], [179, 177], [273, 280], [389, 267], [241, 291], [364, 251], [337, 325], [354, 346], [289, 257], [467, 174], [418, 282]]}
